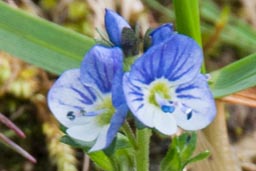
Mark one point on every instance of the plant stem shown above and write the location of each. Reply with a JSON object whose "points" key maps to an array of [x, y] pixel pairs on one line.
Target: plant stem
{"points": [[130, 135], [217, 135], [142, 152]]}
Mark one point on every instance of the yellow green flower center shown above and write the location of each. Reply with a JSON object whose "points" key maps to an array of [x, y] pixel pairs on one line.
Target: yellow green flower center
{"points": [[108, 110], [161, 88]]}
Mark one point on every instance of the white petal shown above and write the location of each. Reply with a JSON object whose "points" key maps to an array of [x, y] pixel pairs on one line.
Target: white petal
{"points": [[101, 141], [195, 96], [67, 95], [147, 114], [165, 123], [87, 133]]}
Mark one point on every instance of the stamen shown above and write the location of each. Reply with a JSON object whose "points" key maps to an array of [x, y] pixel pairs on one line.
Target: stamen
{"points": [[167, 109], [187, 110], [189, 115], [71, 115]]}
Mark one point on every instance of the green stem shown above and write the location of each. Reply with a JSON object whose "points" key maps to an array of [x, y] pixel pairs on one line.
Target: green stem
{"points": [[130, 135], [142, 153], [188, 20]]}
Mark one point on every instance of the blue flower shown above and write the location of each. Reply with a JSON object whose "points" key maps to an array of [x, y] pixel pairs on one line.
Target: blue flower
{"points": [[162, 33], [115, 24], [89, 101], [164, 88]]}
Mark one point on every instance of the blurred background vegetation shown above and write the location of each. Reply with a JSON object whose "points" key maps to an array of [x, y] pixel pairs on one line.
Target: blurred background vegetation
{"points": [[229, 33]]}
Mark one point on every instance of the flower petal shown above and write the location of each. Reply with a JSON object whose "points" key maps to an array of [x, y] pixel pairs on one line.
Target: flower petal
{"points": [[165, 123], [162, 33], [178, 59], [116, 122], [86, 133], [197, 97], [69, 96], [114, 24], [100, 66], [101, 141], [117, 90], [143, 111]]}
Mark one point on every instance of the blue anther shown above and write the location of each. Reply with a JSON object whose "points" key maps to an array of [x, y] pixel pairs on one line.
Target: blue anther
{"points": [[167, 109], [71, 115], [189, 115]]}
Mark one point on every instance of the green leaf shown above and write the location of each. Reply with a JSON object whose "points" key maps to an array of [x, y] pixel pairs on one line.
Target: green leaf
{"points": [[101, 160], [187, 145], [40, 42], [237, 32], [188, 19], [198, 157], [179, 152], [171, 161], [235, 77]]}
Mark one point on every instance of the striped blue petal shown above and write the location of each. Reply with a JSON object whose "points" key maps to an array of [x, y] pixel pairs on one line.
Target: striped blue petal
{"points": [[178, 59], [114, 25], [161, 33], [70, 100], [151, 115], [196, 104], [81, 97], [100, 66]]}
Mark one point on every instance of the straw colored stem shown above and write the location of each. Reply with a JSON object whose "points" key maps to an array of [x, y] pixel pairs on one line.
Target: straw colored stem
{"points": [[12, 126], [216, 134], [16, 148]]}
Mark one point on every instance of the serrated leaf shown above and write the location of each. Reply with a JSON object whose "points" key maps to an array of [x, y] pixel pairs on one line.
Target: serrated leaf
{"points": [[235, 77], [40, 42]]}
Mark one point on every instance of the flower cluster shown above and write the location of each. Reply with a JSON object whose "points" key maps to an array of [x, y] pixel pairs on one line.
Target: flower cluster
{"points": [[163, 89]]}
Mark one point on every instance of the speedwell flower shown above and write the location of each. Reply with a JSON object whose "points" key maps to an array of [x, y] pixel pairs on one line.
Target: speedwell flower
{"points": [[165, 89], [89, 101], [115, 24]]}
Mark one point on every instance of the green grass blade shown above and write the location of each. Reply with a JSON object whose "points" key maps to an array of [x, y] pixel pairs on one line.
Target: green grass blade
{"points": [[235, 30], [235, 77], [40, 42], [188, 19]]}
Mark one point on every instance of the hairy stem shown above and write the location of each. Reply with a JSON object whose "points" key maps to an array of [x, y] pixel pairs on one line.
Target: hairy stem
{"points": [[142, 152]]}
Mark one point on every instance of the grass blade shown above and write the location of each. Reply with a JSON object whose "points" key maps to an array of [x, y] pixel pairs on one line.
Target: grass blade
{"points": [[40, 42]]}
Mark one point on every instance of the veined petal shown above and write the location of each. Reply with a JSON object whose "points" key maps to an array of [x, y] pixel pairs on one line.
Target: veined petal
{"points": [[161, 33], [108, 132], [86, 133], [114, 24], [143, 111], [117, 90], [196, 99], [151, 115], [99, 67], [178, 59], [69, 99], [101, 141]]}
